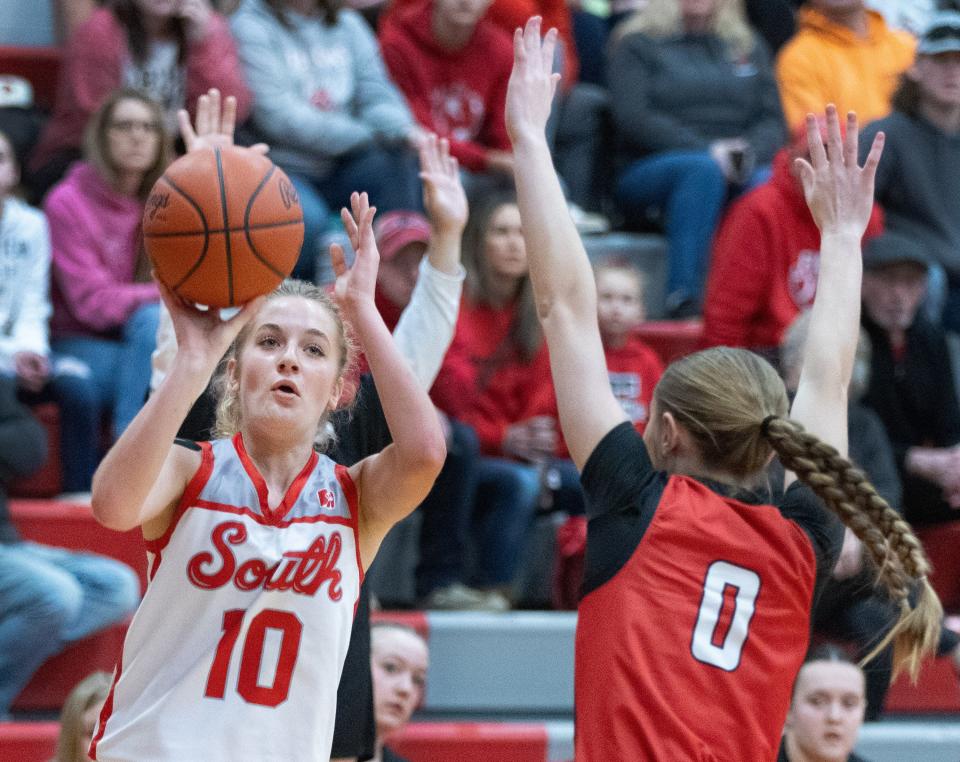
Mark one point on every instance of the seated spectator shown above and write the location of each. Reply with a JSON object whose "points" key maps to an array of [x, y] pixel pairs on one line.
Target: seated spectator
{"points": [[497, 362], [696, 111], [49, 597], [452, 65], [24, 337], [105, 307], [334, 120], [918, 180], [399, 660], [842, 54], [765, 261], [911, 378], [173, 52], [78, 718], [826, 711]]}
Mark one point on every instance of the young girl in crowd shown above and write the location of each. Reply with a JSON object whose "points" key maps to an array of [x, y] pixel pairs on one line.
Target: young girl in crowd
{"points": [[105, 307], [696, 614], [257, 542], [24, 330], [172, 50], [399, 660]]}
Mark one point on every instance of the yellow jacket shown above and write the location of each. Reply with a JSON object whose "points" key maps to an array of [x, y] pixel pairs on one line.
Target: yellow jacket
{"points": [[827, 63]]}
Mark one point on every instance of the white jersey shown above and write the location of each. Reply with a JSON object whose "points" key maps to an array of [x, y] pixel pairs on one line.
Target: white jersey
{"points": [[236, 651]]}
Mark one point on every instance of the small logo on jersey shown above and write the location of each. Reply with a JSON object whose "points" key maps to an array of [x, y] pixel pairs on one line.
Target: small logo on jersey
{"points": [[326, 498], [302, 572]]}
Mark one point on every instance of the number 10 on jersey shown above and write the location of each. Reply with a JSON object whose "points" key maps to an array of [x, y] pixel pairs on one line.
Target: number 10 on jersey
{"points": [[720, 643]]}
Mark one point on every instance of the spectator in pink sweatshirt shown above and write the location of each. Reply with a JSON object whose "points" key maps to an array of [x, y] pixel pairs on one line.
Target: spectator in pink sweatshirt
{"points": [[105, 306], [172, 50]]}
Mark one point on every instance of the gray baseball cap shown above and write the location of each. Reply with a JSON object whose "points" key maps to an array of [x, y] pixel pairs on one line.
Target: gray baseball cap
{"points": [[941, 35], [892, 248]]}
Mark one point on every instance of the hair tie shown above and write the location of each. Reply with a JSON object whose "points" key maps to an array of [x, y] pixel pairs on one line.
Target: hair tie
{"points": [[765, 426]]}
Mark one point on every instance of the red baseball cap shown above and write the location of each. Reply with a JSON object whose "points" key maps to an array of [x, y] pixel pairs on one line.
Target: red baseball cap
{"points": [[394, 230]]}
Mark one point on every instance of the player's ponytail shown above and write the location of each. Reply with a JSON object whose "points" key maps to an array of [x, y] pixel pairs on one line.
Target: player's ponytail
{"points": [[896, 551]]}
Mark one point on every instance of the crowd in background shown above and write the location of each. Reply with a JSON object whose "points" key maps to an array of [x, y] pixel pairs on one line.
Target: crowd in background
{"points": [[680, 116]]}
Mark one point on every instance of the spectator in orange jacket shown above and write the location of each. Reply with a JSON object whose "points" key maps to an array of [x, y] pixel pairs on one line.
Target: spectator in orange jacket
{"points": [[845, 55], [765, 261]]}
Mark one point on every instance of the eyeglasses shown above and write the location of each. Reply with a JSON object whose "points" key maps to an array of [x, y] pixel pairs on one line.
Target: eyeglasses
{"points": [[128, 126]]}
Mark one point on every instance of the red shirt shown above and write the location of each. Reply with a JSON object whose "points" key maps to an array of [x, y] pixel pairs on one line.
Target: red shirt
{"points": [[483, 380]]}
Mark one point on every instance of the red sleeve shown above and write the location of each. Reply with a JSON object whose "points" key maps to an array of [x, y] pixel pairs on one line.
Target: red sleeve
{"points": [[91, 68], [213, 62], [737, 280], [875, 225]]}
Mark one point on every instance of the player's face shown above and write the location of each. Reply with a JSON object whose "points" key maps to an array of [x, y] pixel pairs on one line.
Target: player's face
{"points": [[461, 13], [289, 369], [892, 294], [9, 174], [827, 710], [133, 136], [619, 303], [939, 78], [504, 251], [398, 661], [398, 275]]}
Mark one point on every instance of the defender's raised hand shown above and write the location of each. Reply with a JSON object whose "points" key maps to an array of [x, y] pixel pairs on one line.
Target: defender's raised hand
{"points": [[532, 82], [214, 125], [443, 196], [356, 283], [838, 191]]}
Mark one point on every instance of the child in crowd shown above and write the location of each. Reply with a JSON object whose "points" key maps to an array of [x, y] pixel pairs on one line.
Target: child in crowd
{"points": [[399, 659], [24, 341]]}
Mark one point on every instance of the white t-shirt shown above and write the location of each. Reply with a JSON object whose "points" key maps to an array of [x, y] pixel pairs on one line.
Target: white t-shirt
{"points": [[162, 78]]}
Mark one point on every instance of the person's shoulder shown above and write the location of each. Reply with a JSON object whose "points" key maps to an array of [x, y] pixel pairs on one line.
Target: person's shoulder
{"points": [[28, 218], [98, 24]]}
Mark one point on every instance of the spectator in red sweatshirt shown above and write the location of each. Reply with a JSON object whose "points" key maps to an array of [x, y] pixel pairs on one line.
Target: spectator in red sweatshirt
{"points": [[765, 261], [452, 65], [497, 362]]}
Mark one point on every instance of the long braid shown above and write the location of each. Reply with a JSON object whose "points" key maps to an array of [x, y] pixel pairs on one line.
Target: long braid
{"points": [[898, 554]]}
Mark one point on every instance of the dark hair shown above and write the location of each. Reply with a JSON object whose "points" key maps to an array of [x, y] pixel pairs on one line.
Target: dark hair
{"points": [[525, 337], [908, 96], [328, 10], [128, 13], [96, 147]]}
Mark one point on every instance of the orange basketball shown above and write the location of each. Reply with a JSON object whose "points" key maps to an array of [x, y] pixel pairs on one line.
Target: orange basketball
{"points": [[223, 226]]}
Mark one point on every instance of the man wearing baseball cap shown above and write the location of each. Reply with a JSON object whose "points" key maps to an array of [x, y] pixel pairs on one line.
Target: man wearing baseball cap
{"points": [[911, 379]]}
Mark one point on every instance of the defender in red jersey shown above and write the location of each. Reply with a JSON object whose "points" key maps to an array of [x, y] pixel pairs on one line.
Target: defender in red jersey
{"points": [[698, 590]]}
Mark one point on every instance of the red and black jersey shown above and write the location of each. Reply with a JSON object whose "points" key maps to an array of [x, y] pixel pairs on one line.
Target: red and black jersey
{"points": [[696, 611]]}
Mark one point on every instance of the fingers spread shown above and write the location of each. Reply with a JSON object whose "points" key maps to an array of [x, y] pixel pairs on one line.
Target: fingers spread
{"points": [[873, 158], [337, 259], [818, 157], [851, 141], [834, 139]]}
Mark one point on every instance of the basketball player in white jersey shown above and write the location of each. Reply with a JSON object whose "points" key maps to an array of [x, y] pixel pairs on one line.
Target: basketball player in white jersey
{"points": [[257, 544]]}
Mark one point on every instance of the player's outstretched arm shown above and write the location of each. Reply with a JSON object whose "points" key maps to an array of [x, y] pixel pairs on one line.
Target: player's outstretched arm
{"points": [[143, 475], [840, 195], [562, 278], [397, 479]]}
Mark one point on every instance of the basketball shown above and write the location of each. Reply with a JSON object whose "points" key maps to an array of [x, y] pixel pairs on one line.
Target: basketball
{"points": [[223, 226]]}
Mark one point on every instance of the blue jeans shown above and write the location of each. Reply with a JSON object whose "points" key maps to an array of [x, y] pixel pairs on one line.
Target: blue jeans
{"points": [[120, 369], [690, 190], [506, 501], [389, 175], [50, 597]]}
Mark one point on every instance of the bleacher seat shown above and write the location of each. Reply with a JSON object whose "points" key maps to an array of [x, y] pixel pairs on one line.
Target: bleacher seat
{"points": [[672, 339], [40, 66], [28, 741], [937, 691], [472, 742], [941, 543]]}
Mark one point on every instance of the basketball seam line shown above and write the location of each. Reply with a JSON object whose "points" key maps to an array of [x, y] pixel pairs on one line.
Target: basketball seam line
{"points": [[212, 231], [206, 233], [226, 224], [246, 224]]}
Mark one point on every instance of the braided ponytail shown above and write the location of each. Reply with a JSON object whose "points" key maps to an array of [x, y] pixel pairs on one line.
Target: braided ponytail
{"points": [[898, 554]]}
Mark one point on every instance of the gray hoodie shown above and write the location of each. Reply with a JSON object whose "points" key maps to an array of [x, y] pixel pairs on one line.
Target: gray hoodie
{"points": [[319, 91]]}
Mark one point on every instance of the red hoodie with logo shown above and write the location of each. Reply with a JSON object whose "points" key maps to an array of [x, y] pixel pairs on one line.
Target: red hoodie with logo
{"points": [[765, 262], [460, 95]]}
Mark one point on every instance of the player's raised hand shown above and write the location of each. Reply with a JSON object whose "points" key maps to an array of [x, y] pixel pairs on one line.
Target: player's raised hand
{"points": [[214, 124], [357, 283], [443, 196], [532, 82], [838, 190]]}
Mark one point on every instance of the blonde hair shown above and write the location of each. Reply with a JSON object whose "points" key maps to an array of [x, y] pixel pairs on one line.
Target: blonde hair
{"points": [[96, 143], [228, 415], [661, 18], [734, 405], [93, 689]]}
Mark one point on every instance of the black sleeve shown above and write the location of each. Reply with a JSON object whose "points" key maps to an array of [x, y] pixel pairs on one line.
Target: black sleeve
{"points": [[825, 530], [361, 429], [616, 472], [870, 449], [948, 418]]}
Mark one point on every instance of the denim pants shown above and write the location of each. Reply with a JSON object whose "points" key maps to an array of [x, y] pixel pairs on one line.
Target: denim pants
{"points": [[120, 369], [50, 597], [389, 175], [690, 190]]}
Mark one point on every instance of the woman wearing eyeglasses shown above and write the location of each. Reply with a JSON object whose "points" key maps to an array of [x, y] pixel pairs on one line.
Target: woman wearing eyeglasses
{"points": [[105, 307]]}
